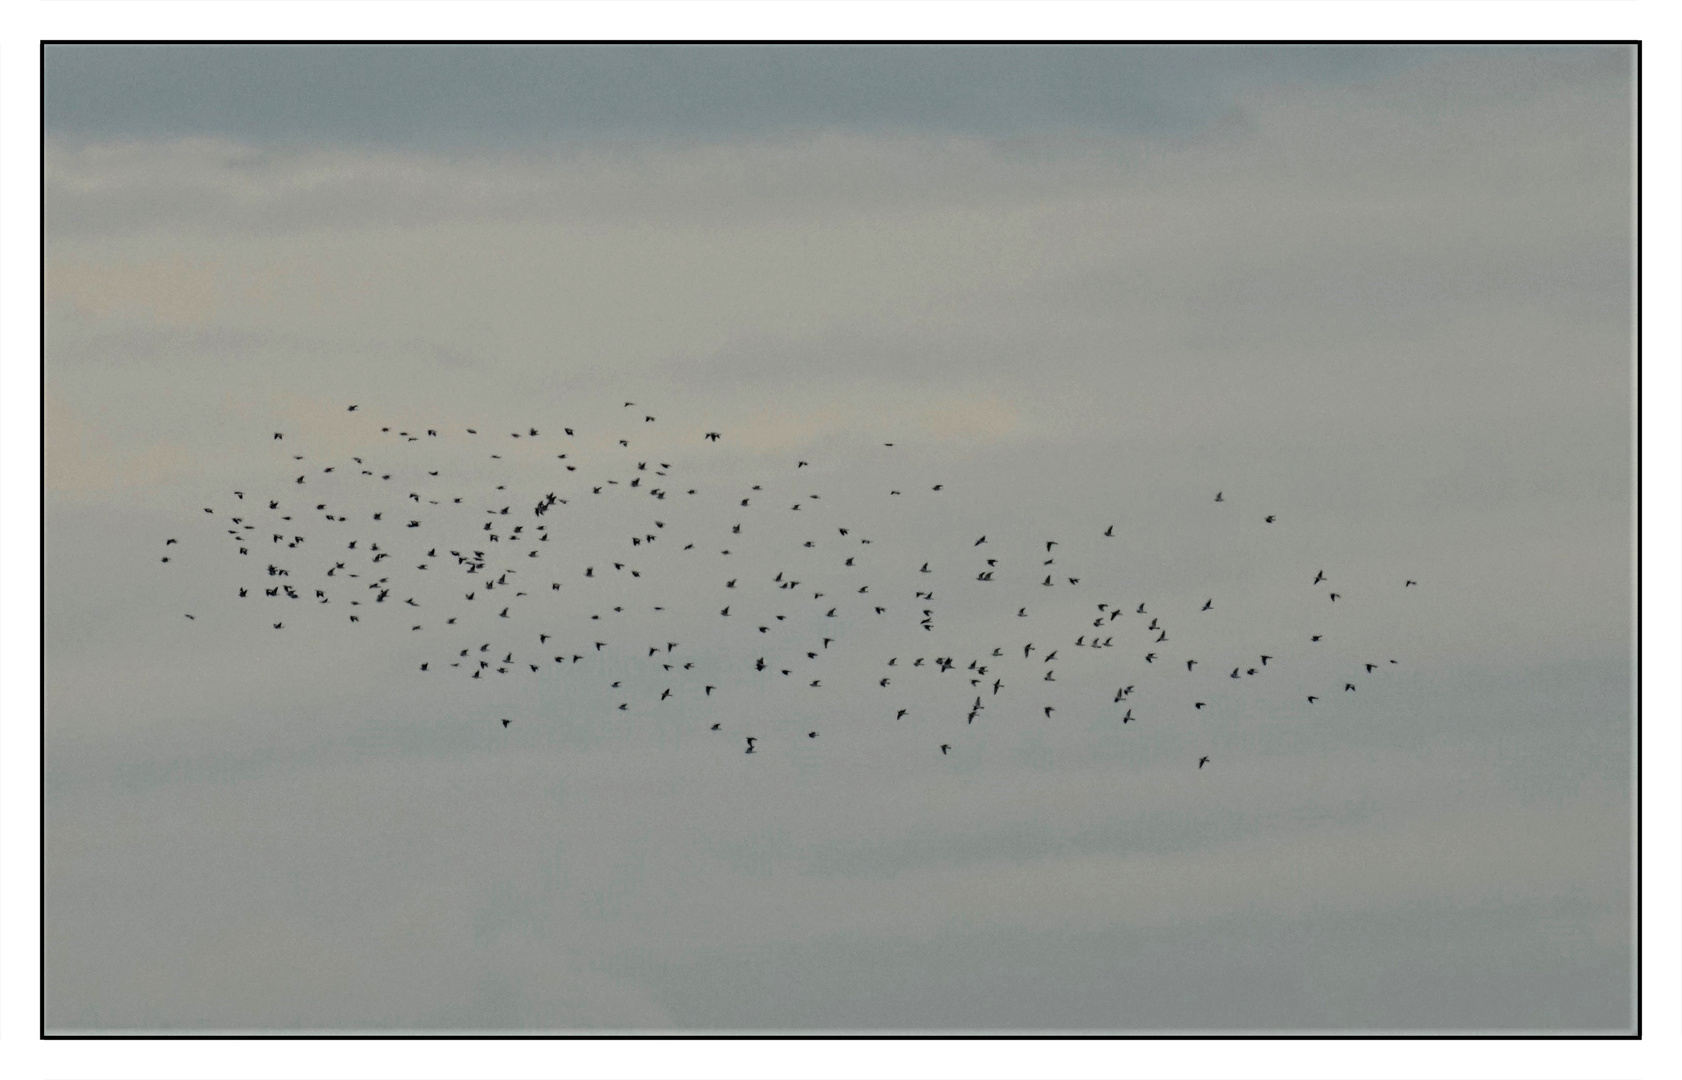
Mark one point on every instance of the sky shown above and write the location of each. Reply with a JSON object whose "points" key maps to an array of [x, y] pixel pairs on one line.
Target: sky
{"points": [[1382, 294]]}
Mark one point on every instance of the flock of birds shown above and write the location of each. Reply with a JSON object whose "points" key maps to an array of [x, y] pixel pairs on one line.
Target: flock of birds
{"points": [[388, 538]]}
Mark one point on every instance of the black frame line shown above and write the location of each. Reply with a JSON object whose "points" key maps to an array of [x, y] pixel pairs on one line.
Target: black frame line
{"points": [[1634, 1034]]}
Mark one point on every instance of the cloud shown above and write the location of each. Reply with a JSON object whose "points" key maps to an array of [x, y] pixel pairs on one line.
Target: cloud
{"points": [[171, 292], [81, 462], [1394, 314]]}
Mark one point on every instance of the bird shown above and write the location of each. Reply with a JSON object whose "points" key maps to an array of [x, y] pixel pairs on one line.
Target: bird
{"points": [[751, 741], [1268, 519], [943, 748], [1218, 497], [1202, 761], [1207, 604], [713, 436], [1319, 577], [1199, 704]]}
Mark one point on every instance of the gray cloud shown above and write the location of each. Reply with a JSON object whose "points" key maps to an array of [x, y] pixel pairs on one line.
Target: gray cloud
{"points": [[477, 96], [1383, 295]]}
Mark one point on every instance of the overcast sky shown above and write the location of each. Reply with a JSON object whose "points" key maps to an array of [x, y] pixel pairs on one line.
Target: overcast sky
{"points": [[1381, 294]]}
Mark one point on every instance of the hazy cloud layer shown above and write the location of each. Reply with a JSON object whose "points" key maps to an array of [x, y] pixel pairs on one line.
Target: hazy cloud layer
{"points": [[1386, 296]]}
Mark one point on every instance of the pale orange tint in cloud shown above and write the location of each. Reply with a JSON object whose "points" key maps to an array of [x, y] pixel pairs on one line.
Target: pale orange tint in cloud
{"points": [[981, 419], [81, 461], [172, 291], [959, 420]]}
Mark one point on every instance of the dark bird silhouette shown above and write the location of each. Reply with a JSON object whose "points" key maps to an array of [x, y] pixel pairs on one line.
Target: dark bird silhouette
{"points": [[1319, 577], [1110, 531], [1218, 497], [1268, 519], [1312, 699], [1207, 604], [1349, 686], [1202, 761], [713, 436], [1334, 597], [1405, 584]]}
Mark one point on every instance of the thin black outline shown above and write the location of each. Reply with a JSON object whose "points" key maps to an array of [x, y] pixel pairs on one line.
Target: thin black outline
{"points": [[1634, 1033]]}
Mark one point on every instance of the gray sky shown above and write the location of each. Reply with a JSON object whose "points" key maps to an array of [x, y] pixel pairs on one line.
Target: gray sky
{"points": [[1381, 294]]}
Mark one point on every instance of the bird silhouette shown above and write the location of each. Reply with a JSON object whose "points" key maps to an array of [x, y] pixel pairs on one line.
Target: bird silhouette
{"points": [[638, 596]]}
